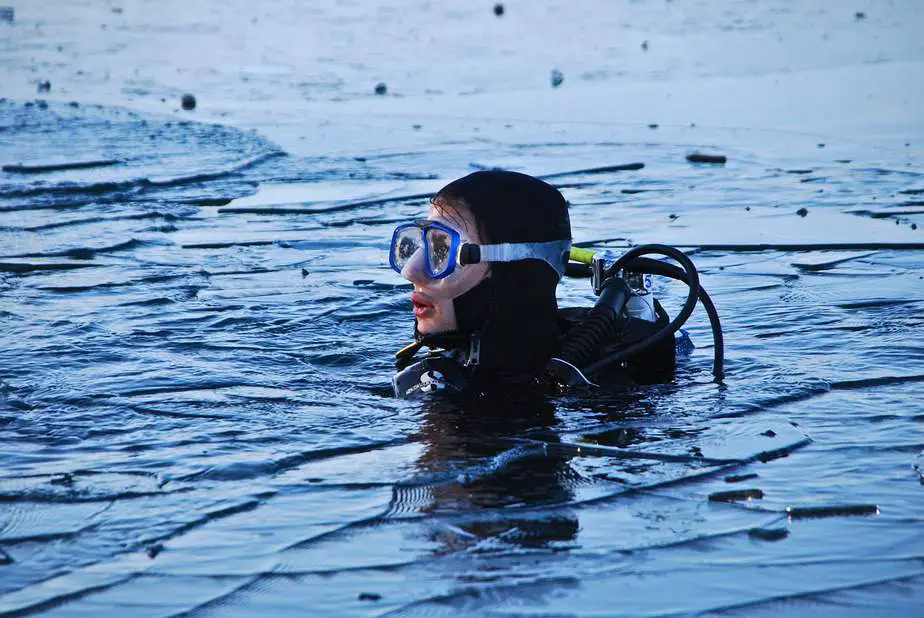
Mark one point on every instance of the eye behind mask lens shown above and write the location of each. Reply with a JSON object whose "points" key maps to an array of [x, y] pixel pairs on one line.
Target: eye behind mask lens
{"points": [[440, 244], [406, 245]]}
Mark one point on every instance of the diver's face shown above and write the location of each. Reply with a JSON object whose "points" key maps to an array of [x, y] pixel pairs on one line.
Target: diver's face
{"points": [[432, 298]]}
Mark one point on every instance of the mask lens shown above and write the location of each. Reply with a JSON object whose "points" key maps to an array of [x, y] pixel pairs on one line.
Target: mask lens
{"points": [[440, 245], [405, 244]]}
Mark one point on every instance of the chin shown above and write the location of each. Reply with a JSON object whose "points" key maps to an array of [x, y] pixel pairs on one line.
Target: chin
{"points": [[431, 326]]}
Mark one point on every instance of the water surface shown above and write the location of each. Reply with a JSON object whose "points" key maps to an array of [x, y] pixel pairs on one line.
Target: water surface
{"points": [[198, 323]]}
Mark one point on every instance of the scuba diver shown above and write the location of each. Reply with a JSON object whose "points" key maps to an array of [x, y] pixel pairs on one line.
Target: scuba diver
{"points": [[485, 266]]}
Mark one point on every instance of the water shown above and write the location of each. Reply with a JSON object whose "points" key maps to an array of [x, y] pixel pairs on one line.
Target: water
{"points": [[197, 328]]}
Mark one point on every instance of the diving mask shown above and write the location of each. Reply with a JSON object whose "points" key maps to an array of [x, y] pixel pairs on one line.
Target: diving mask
{"points": [[444, 249]]}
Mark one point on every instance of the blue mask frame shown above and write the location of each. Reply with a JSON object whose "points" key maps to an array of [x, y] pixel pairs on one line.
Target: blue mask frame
{"points": [[423, 227], [408, 238]]}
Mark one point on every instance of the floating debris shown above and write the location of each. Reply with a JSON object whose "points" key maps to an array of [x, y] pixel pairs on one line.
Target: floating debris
{"points": [[859, 15], [644, 45], [699, 157], [381, 88], [625, 167], [43, 86], [557, 78], [769, 433], [66, 479], [737, 478], [21, 168], [802, 211], [369, 596], [653, 125], [736, 495], [188, 102], [499, 9], [768, 534], [799, 512]]}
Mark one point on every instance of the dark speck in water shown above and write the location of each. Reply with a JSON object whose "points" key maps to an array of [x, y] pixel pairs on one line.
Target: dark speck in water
{"points": [[699, 157], [802, 212], [188, 102], [768, 534], [736, 495], [556, 78], [800, 512], [369, 596], [499, 9], [381, 88], [737, 478]]}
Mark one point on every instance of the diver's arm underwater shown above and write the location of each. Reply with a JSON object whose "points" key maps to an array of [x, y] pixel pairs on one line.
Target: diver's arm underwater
{"points": [[485, 266]]}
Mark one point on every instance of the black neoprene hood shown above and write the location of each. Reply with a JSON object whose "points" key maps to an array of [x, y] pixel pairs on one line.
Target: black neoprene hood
{"points": [[513, 311]]}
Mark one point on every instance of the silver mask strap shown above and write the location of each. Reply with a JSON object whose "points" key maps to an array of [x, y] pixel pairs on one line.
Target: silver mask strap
{"points": [[554, 253]]}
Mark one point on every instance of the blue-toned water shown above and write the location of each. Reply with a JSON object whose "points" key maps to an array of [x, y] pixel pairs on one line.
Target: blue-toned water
{"points": [[197, 320]]}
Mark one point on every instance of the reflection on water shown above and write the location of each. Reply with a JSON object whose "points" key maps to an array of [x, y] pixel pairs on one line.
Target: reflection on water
{"points": [[470, 452]]}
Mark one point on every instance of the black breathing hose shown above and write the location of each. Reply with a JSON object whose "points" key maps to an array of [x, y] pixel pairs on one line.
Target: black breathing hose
{"points": [[603, 323], [579, 340], [656, 267]]}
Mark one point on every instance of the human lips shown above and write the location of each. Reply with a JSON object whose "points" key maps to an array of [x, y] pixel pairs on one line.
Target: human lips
{"points": [[424, 306]]}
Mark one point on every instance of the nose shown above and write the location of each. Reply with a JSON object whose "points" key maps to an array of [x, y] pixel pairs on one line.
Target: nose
{"points": [[415, 270]]}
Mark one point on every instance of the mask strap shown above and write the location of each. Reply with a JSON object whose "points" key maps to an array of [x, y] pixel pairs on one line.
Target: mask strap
{"points": [[554, 253]]}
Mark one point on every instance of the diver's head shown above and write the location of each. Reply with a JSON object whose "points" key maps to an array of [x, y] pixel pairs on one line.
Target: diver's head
{"points": [[522, 226]]}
